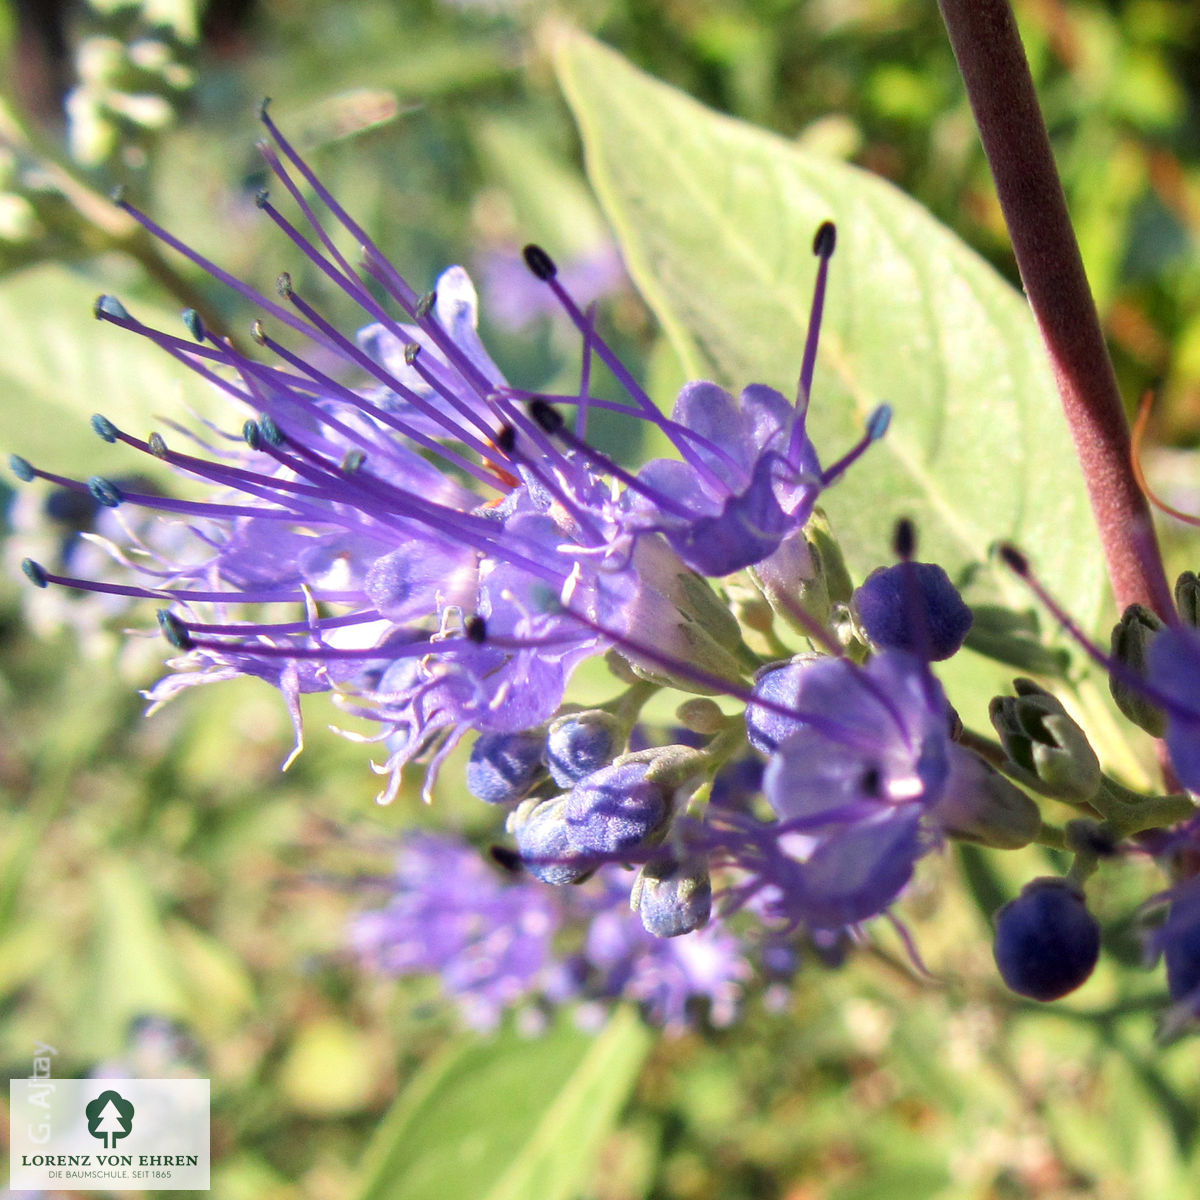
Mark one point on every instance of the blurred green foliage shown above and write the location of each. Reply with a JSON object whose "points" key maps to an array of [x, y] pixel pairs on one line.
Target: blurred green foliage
{"points": [[166, 868]]}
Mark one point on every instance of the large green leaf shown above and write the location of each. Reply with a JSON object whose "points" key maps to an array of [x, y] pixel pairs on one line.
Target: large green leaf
{"points": [[507, 1117], [716, 220]]}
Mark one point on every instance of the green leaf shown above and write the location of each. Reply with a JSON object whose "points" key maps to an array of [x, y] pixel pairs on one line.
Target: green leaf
{"points": [[507, 1118], [135, 970], [716, 220], [58, 366]]}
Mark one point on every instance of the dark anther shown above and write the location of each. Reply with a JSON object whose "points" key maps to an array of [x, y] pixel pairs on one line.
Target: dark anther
{"points": [[263, 105], [411, 350], [252, 435], [270, 431], [261, 197], [194, 323], [539, 262], [878, 422], [109, 306], [104, 428], [546, 415], [825, 239], [104, 491], [22, 468], [425, 305], [283, 285], [35, 572], [506, 439], [352, 461], [158, 445], [506, 859], [1013, 559], [173, 630], [119, 196], [904, 539], [476, 629], [258, 333]]}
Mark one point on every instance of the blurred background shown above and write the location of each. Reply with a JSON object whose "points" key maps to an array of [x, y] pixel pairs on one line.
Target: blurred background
{"points": [[170, 902]]}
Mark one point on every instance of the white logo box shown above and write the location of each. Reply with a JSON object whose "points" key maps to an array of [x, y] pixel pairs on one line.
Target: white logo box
{"points": [[161, 1144]]}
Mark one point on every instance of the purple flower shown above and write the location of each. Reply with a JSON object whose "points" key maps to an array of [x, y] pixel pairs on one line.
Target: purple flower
{"points": [[498, 944], [855, 776], [491, 943], [515, 300], [1173, 672], [445, 550], [749, 477], [913, 607]]}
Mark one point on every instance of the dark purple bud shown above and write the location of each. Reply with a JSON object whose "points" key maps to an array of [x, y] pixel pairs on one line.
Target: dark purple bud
{"points": [[780, 684], [617, 810], [904, 539], [1047, 943], [581, 743], [540, 830], [913, 607], [505, 767], [476, 629], [825, 239], [672, 898]]}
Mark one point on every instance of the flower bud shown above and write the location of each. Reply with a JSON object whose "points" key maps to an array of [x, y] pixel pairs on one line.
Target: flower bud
{"points": [[1131, 639], [979, 805], [505, 767], [779, 683], [1187, 598], [1048, 751], [1047, 943], [581, 743], [671, 897], [806, 572], [914, 607], [628, 805], [540, 829]]}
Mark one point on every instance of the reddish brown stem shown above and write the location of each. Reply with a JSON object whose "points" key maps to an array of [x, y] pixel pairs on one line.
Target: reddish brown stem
{"points": [[1000, 87]]}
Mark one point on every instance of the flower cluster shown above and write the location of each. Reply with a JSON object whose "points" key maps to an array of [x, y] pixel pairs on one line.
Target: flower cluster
{"points": [[400, 526]]}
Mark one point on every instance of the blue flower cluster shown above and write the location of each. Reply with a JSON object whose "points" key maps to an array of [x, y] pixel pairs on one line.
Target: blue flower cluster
{"points": [[401, 527]]}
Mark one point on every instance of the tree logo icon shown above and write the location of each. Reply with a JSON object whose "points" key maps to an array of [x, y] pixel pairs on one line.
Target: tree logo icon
{"points": [[109, 1117]]}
